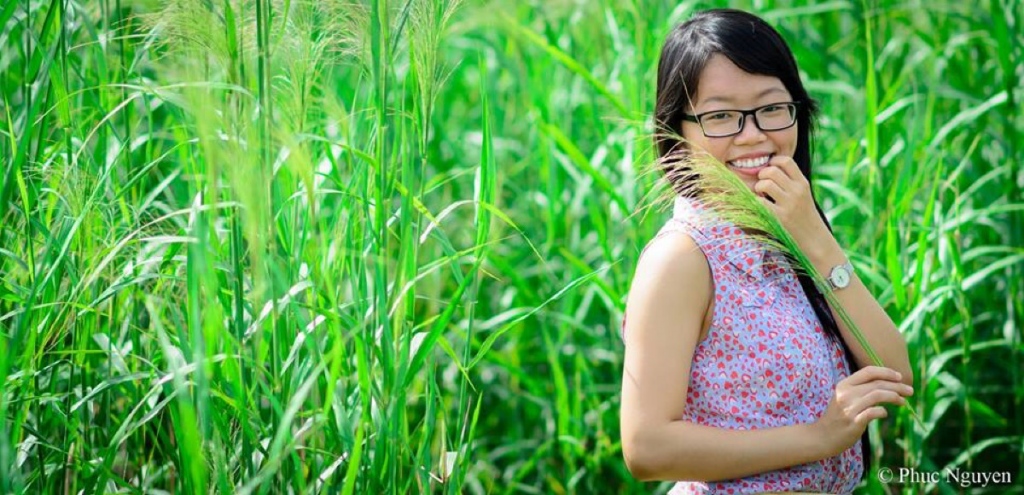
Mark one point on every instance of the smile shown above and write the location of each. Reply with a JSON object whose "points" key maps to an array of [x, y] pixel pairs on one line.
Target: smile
{"points": [[750, 166], [751, 162]]}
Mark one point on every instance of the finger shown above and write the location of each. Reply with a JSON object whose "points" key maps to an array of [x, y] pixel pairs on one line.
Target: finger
{"points": [[769, 188], [870, 373], [774, 172], [877, 398], [767, 203], [869, 414], [892, 386], [787, 165]]}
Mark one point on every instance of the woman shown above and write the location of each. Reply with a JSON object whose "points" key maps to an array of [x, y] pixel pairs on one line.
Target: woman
{"points": [[737, 375]]}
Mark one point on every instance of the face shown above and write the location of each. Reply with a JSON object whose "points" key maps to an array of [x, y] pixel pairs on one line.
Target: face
{"points": [[724, 86]]}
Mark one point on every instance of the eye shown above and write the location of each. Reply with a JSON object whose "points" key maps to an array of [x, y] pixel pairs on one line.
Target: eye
{"points": [[773, 108], [718, 116]]}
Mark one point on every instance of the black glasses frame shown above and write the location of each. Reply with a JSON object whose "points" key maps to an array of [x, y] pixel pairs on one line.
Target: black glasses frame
{"points": [[794, 106]]}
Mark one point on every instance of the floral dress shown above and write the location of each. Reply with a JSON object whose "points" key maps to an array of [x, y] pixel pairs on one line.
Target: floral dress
{"points": [[766, 360]]}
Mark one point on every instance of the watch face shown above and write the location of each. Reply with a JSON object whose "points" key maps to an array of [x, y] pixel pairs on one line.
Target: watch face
{"points": [[841, 277]]}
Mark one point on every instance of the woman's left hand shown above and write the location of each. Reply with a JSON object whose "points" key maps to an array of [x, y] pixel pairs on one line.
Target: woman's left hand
{"points": [[793, 206]]}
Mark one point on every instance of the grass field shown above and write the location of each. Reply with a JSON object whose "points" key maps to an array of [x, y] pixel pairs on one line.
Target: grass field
{"points": [[269, 246]]}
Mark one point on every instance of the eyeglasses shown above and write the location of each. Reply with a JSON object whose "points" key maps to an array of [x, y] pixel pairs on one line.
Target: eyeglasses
{"points": [[724, 123]]}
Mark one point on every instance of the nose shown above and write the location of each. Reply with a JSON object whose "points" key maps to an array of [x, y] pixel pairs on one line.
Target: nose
{"points": [[749, 133]]}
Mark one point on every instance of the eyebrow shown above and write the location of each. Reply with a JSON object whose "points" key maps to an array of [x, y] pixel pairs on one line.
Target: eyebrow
{"points": [[726, 99]]}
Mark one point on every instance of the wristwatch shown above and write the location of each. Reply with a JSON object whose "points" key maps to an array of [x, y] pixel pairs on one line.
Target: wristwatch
{"points": [[840, 276]]}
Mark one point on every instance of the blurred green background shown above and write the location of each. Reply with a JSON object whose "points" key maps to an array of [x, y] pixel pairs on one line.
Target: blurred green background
{"points": [[268, 246]]}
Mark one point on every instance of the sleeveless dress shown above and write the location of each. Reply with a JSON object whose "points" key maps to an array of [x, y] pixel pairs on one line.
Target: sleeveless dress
{"points": [[766, 360]]}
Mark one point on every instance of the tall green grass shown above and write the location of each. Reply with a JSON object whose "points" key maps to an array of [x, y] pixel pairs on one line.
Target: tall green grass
{"points": [[272, 246]]}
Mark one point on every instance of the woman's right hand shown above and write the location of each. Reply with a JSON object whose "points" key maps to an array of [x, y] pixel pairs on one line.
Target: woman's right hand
{"points": [[857, 400]]}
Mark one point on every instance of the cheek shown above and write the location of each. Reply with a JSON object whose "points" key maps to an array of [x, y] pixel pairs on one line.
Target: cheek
{"points": [[693, 138], [717, 148], [787, 141]]}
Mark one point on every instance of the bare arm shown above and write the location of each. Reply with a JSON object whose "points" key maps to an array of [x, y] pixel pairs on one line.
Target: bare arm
{"points": [[670, 294], [876, 326]]}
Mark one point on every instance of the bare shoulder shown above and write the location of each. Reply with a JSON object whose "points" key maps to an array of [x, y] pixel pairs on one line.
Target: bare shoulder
{"points": [[672, 283], [672, 260]]}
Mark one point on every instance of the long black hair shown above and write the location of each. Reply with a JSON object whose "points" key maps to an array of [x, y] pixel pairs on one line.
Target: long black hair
{"points": [[757, 48]]}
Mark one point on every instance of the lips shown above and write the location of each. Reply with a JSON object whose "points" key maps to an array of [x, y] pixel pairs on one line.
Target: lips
{"points": [[750, 166]]}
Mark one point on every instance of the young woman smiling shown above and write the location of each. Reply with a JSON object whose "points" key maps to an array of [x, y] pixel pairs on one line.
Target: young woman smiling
{"points": [[738, 377]]}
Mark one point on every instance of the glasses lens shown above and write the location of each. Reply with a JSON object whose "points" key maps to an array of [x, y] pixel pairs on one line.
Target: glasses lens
{"points": [[775, 117], [721, 123]]}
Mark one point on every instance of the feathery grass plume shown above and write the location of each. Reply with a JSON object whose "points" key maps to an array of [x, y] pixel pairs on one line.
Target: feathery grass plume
{"points": [[316, 36], [348, 25], [701, 176], [224, 34], [427, 27]]}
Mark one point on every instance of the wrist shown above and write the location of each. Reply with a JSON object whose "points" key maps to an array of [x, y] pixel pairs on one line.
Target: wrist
{"points": [[825, 253], [821, 245], [819, 443]]}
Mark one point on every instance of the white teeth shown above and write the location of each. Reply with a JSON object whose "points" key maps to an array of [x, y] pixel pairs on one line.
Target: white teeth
{"points": [[751, 163]]}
